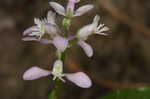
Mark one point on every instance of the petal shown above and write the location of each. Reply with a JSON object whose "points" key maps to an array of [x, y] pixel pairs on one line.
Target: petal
{"points": [[81, 10], [37, 21], [86, 31], [58, 8], [30, 30], [51, 17], [80, 79], [104, 29], [35, 73], [43, 41], [101, 29], [60, 43], [87, 48], [51, 29], [30, 39], [96, 18]]}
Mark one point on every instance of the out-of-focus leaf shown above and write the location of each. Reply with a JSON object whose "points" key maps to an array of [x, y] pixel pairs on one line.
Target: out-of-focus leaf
{"points": [[136, 93], [53, 95]]}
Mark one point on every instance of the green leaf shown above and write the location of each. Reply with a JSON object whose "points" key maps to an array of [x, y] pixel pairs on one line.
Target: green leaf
{"points": [[53, 95], [134, 93]]}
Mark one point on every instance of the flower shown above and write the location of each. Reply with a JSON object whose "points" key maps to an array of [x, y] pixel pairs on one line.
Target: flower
{"points": [[93, 28], [46, 25], [88, 30], [80, 79], [69, 11]]}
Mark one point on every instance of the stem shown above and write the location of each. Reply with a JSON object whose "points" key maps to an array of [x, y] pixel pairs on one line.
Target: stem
{"points": [[61, 56]]}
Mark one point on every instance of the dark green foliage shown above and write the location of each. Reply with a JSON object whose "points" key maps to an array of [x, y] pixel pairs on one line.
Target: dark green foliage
{"points": [[136, 93]]}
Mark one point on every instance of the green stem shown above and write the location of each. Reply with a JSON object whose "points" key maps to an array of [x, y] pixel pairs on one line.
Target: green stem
{"points": [[61, 56]]}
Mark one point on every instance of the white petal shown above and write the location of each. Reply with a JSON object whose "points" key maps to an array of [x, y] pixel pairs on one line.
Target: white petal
{"points": [[37, 21], [96, 18], [60, 43], [80, 79], [58, 8], [30, 30], [35, 73], [86, 31], [51, 17], [87, 48], [104, 29], [81, 10]]}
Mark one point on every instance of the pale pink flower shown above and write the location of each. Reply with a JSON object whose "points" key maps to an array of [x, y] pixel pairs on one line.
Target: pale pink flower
{"points": [[80, 79], [93, 28], [70, 8], [88, 30], [41, 27]]}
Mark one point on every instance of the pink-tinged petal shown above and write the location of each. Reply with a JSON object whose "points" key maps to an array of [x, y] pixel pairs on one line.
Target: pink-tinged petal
{"points": [[81, 10], [60, 43], [30, 30], [44, 41], [87, 48], [58, 8], [35, 73], [30, 39], [80, 79]]}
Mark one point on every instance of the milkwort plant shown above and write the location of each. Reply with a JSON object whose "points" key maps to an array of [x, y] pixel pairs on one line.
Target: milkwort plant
{"points": [[63, 41]]}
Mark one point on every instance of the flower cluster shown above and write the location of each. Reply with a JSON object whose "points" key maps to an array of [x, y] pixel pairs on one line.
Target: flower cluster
{"points": [[46, 31]]}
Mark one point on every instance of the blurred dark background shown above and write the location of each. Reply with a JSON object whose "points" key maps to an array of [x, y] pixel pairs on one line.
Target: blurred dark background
{"points": [[121, 60]]}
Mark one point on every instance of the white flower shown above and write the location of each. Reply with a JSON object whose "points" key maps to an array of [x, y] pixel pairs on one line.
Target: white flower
{"points": [[80, 79], [41, 27], [88, 30], [93, 28], [69, 11]]}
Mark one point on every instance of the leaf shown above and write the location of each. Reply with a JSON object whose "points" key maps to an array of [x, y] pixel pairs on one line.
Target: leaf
{"points": [[133, 93], [53, 95]]}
